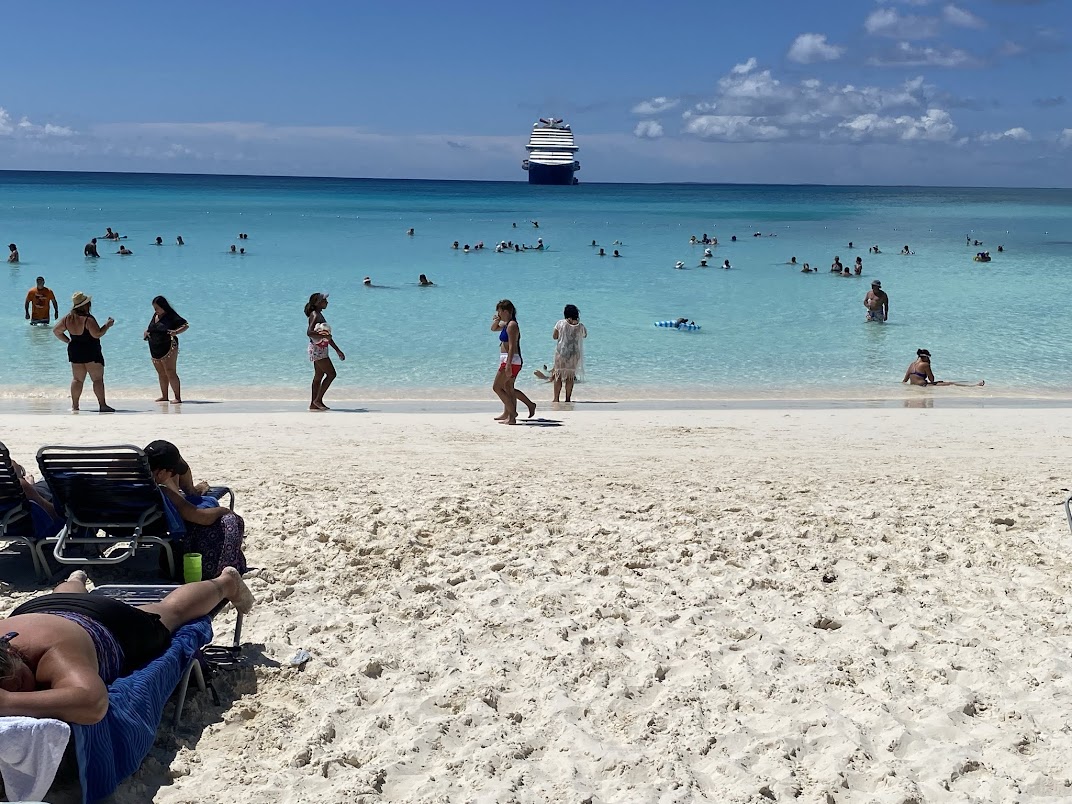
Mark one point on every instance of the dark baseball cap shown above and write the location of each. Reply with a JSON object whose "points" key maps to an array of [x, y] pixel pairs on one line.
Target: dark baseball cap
{"points": [[165, 455]]}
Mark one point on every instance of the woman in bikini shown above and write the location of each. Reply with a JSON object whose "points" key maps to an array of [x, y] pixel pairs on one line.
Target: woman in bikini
{"points": [[80, 331], [163, 336], [319, 340], [510, 362], [920, 373]]}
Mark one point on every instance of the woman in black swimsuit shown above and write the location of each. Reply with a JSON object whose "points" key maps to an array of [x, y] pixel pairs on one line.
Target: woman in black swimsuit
{"points": [[80, 331], [162, 334]]}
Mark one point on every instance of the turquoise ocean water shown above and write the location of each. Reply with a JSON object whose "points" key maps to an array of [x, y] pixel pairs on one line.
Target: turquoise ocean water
{"points": [[767, 329]]}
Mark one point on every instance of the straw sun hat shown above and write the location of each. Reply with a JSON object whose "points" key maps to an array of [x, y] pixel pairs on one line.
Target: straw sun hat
{"points": [[80, 299]]}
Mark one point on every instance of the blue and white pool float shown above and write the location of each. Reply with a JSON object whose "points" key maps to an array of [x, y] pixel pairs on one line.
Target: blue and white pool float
{"points": [[675, 325]]}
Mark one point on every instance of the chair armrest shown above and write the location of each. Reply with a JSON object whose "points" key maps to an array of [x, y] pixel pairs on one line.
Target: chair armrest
{"points": [[219, 492]]}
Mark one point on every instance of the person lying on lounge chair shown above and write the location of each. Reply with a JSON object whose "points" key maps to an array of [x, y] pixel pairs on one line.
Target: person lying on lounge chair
{"points": [[34, 491], [59, 652]]}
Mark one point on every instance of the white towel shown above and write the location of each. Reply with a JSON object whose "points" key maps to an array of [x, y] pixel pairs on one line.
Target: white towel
{"points": [[30, 752]]}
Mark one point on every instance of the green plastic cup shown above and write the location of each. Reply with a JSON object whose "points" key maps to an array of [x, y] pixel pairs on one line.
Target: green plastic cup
{"points": [[191, 567]]}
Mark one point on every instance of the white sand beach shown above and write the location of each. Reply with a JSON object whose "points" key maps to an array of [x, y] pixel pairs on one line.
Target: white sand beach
{"points": [[849, 605]]}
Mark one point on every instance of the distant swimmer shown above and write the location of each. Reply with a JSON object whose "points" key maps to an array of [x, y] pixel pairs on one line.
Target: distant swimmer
{"points": [[836, 266], [616, 254], [109, 234], [846, 272], [593, 243], [244, 236], [14, 255], [977, 242], [679, 265], [792, 260], [425, 282], [241, 251], [707, 252], [726, 264], [806, 269], [733, 239], [851, 245], [859, 267], [906, 251], [159, 241], [179, 241], [919, 372], [874, 250], [410, 231], [703, 263], [367, 281], [234, 248], [499, 248], [602, 253], [90, 249], [455, 246], [1001, 249], [877, 303], [693, 241], [126, 252], [514, 224], [536, 224], [37, 304], [617, 243], [466, 248], [539, 244]]}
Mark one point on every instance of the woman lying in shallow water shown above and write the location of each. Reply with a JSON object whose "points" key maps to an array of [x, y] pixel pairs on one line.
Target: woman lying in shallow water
{"points": [[919, 373]]}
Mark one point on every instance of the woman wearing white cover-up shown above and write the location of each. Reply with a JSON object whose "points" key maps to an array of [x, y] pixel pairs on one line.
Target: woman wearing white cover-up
{"points": [[569, 351]]}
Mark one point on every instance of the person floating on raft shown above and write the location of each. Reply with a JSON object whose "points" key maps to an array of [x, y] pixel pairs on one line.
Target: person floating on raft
{"points": [[982, 256]]}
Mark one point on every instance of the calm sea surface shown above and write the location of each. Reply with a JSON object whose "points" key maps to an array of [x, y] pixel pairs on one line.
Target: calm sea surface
{"points": [[766, 328]]}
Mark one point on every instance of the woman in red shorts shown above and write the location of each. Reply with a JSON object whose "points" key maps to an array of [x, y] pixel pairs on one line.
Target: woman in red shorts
{"points": [[510, 362]]}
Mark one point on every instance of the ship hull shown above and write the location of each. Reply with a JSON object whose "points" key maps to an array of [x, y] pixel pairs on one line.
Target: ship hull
{"points": [[550, 174]]}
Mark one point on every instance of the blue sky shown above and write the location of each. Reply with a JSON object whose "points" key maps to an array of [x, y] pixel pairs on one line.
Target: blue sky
{"points": [[971, 92]]}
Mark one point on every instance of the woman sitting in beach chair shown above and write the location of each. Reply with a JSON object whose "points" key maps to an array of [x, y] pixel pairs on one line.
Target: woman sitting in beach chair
{"points": [[213, 531]]}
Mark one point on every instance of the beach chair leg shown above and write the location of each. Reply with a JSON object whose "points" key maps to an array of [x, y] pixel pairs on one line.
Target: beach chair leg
{"points": [[238, 631], [1068, 511], [180, 701]]}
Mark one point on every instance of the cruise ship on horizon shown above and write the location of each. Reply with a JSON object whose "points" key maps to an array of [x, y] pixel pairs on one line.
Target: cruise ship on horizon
{"points": [[551, 153]]}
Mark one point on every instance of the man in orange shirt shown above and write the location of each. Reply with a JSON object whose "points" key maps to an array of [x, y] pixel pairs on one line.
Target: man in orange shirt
{"points": [[39, 298]]}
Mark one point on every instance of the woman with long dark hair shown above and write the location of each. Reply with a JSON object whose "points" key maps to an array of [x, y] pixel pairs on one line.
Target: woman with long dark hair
{"points": [[320, 339], [510, 362], [163, 336]]}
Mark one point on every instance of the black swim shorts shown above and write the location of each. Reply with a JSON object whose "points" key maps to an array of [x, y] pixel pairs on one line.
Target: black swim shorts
{"points": [[140, 634]]}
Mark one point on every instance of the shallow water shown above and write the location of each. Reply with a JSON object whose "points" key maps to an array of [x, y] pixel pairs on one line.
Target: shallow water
{"points": [[767, 328]]}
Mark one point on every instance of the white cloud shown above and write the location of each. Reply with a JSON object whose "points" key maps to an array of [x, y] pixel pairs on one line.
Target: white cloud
{"points": [[752, 105], [809, 48], [648, 129], [24, 128], [655, 105], [733, 128], [890, 22], [904, 54], [1017, 134], [934, 126], [962, 18], [746, 67], [1065, 138]]}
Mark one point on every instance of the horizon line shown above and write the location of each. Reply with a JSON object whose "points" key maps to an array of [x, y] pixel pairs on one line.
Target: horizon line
{"points": [[5, 171]]}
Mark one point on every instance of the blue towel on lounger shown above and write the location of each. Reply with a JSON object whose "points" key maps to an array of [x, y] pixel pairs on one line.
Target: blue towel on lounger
{"points": [[110, 751]]}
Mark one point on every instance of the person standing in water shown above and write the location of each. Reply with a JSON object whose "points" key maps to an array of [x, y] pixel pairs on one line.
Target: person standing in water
{"points": [[39, 299], [80, 331], [319, 340], [569, 351], [510, 362], [877, 303]]}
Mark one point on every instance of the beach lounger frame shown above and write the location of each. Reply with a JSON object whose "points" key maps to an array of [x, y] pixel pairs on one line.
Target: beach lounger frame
{"points": [[109, 489], [137, 594], [15, 512], [1068, 511]]}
